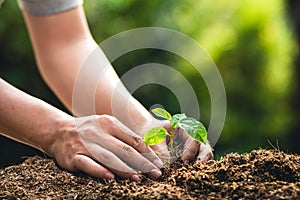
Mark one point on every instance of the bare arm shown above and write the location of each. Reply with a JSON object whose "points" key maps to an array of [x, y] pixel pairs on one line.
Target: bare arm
{"points": [[98, 145], [62, 43], [28, 119]]}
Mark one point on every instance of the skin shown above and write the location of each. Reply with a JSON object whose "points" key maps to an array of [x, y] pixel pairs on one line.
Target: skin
{"points": [[103, 145]]}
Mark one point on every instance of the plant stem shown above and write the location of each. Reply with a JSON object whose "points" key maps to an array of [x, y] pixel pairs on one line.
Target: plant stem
{"points": [[172, 141]]}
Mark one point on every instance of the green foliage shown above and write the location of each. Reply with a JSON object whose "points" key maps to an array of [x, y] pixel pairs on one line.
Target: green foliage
{"points": [[251, 42], [194, 128], [162, 113], [176, 119], [155, 135]]}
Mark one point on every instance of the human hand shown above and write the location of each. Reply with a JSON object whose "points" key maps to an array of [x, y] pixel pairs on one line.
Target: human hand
{"points": [[192, 149], [102, 146]]}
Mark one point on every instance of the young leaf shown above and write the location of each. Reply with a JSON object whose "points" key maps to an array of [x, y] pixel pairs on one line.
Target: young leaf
{"points": [[194, 128], [176, 119], [155, 135], [162, 113]]}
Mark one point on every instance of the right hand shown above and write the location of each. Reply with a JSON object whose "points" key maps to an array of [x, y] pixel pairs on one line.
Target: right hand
{"points": [[192, 149], [102, 146]]}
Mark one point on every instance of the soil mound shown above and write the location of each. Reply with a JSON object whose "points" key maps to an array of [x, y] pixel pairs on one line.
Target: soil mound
{"points": [[255, 175]]}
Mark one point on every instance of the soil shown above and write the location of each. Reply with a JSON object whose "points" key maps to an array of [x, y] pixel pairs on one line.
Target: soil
{"points": [[260, 174]]}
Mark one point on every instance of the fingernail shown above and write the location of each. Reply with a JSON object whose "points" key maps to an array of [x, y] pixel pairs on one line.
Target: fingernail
{"points": [[136, 178], [109, 175], [155, 173], [158, 163]]}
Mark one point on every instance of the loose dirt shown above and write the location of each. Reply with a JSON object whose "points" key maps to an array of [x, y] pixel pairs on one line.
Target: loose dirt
{"points": [[259, 174]]}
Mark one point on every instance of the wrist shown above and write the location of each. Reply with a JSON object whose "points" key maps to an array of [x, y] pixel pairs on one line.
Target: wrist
{"points": [[51, 137]]}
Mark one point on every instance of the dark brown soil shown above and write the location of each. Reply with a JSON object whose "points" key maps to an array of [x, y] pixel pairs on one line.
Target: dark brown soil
{"points": [[260, 174]]}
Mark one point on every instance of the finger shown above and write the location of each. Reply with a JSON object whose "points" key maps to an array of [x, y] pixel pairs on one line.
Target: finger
{"points": [[190, 146], [124, 134], [162, 150], [180, 133], [112, 162], [190, 150], [89, 166], [168, 126], [133, 158], [205, 152]]}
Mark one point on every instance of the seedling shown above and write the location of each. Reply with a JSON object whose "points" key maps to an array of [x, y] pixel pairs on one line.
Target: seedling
{"points": [[194, 128]]}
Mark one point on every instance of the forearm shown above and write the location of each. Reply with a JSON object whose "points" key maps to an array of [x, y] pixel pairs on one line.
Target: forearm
{"points": [[61, 47], [110, 96], [28, 119]]}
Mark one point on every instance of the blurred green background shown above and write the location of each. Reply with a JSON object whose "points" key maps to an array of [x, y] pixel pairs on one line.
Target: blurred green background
{"points": [[252, 43]]}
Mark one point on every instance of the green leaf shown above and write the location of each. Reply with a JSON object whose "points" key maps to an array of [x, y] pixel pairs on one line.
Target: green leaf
{"points": [[155, 135], [194, 128], [162, 113], [176, 119]]}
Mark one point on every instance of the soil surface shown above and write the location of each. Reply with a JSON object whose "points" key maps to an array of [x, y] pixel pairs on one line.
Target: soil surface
{"points": [[260, 174]]}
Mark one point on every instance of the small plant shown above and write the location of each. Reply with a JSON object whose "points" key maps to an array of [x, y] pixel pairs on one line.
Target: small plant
{"points": [[194, 128]]}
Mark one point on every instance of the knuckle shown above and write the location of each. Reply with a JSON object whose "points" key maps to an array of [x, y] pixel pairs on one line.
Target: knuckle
{"points": [[68, 164], [107, 122], [106, 119], [127, 153], [125, 149], [78, 160], [145, 167], [137, 141]]}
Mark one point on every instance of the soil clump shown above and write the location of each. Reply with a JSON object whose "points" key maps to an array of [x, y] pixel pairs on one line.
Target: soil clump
{"points": [[259, 174]]}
